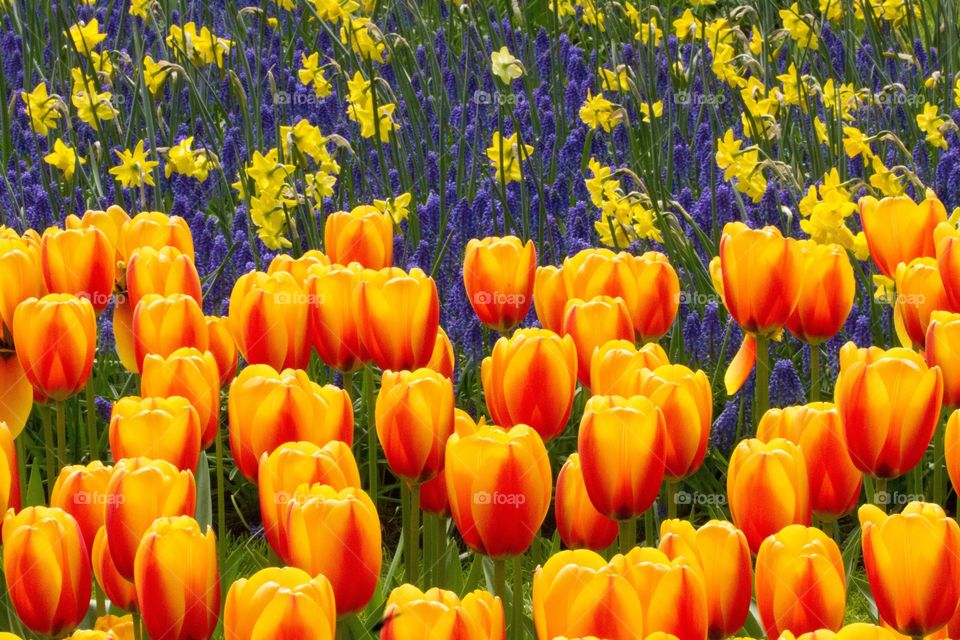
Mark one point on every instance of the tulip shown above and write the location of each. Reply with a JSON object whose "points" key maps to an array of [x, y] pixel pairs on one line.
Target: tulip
{"points": [[919, 293], [816, 428], [913, 566], [56, 337], [295, 463], [943, 351], [442, 360], [192, 374], [280, 602], [591, 324], [952, 449], [899, 230], [123, 334], [164, 272], [579, 523], [685, 399], [79, 262], [530, 378], [161, 325], [81, 491], [433, 497], [818, 317], [223, 347], [720, 552], [549, 298], [178, 584], [800, 582], [399, 315], [622, 446], [268, 318], [498, 484], [300, 267], [498, 275], [889, 403], [110, 222], [20, 276], [119, 626], [47, 569], [16, 394], [768, 488], [9, 471], [267, 408], [332, 316], [140, 491], [337, 534], [159, 428], [120, 591], [575, 594], [364, 235], [411, 614], [946, 238], [615, 366], [157, 230]]}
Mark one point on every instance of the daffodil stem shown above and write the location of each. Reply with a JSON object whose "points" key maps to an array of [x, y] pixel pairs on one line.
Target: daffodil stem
{"points": [[628, 534], [516, 610], [373, 479], [762, 378], [92, 421], [814, 373], [411, 531], [61, 434], [221, 489], [48, 446]]}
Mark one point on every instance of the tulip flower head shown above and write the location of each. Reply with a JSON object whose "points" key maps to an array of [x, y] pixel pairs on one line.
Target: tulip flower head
{"points": [[268, 318], [616, 367], [411, 614], [163, 271], [899, 229], [79, 262], [579, 524], [119, 590], [498, 275], [332, 316], [826, 292], [81, 491], [163, 324], [364, 234], [159, 428], [280, 602], [592, 323], [919, 293], [191, 374]]}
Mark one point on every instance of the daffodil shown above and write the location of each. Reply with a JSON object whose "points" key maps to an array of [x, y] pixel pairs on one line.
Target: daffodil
{"points": [[398, 208], [155, 74], [93, 107], [688, 27], [930, 122], [267, 172], [334, 10], [86, 36], [64, 158], [140, 9], [310, 74], [505, 156], [305, 138], [799, 28], [597, 111], [615, 80], [41, 108], [505, 66], [885, 180], [135, 169], [363, 37], [651, 110], [856, 143]]}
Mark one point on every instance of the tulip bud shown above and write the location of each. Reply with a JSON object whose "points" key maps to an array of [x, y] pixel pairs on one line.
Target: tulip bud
{"points": [[223, 347], [159, 428], [110, 222], [47, 569], [280, 602], [336, 534], [952, 450], [123, 334], [508, 373], [161, 325], [178, 584], [916, 593], [946, 238], [157, 230], [291, 465], [119, 590], [579, 523], [549, 297], [800, 582], [498, 275], [267, 408], [889, 403], [818, 317], [300, 267], [919, 293], [499, 484], [81, 491], [332, 316], [411, 614], [9, 471], [414, 418], [189, 373], [768, 488], [119, 626], [20, 276], [622, 483], [140, 491], [16, 394], [164, 272], [56, 337], [616, 366], [79, 262], [364, 235], [442, 360], [268, 318], [433, 497], [593, 323], [899, 230]]}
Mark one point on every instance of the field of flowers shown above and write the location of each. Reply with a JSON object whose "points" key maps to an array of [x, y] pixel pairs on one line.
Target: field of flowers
{"points": [[479, 320]]}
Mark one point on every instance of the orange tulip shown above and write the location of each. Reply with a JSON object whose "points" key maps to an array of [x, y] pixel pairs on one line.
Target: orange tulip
{"points": [[300, 267], [178, 584], [499, 484], [800, 582], [363, 234], [818, 317], [16, 394], [816, 428], [442, 360], [498, 276], [189, 373], [919, 293], [120, 591], [414, 418], [332, 316], [622, 446], [411, 614], [946, 238], [659, 299], [291, 465], [399, 315], [9, 471], [592, 323], [165, 271], [81, 491], [685, 399], [336, 534], [223, 347], [47, 569], [616, 366], [268, 317], [579, 523], [952, 450], [768, 488], [433, 497], [720, 552], [20, 276], [140, 491], [549, 298], [913, 566], [530, 378], [267, 408], [157, 230], [123, 333], [56, 337], [110, 222], [889, 403], [163, 324], [119, 626], [80, 262], [943, 351], [284, 603], [159, 428], [899, 230]]}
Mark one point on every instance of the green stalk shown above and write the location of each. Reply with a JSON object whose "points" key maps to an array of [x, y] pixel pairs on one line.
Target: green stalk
{"points": [[221, 490], [48, 446], [429, 549], [61, 434], [92, 421], [101, 604], [410, 498], [672, 498], [500, 579], [939, 484], [814, 373], [137, 626], [762, 402], [348, 383], [628, 534], [649, 527], [373, 479], [880, 488], [516, 610]]}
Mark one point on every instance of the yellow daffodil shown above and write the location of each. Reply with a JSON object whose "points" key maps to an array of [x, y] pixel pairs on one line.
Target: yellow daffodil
{"points": [[135, 169], [651, 111], [614, 80], [597, 111], [364, 38], [86, 36], [506, 156], [41, 108], [398, 208], [310, 74], [930, 122], [155, 74], [64, 158], [799, 27], [504, 66]]}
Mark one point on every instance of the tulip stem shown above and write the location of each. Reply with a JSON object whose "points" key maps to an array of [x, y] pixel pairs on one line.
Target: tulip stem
{"points": [[762, 402], [411, 530], [628, 534], [671, 499], [939, 485], [516, 610], [500, 578], [372, 477], [61, 434], [92, 421], [815, 373], [98, 594], [137, 626], [879, 496], [48, 445], [348, 383], [221, 492]]}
